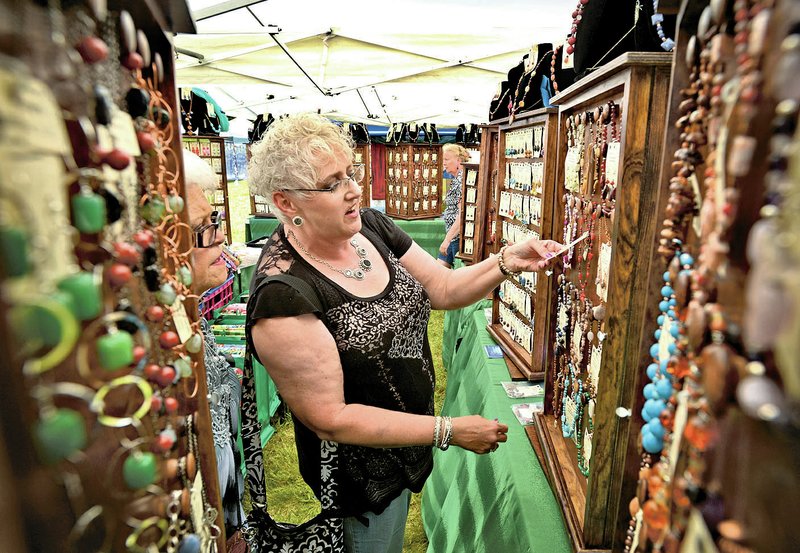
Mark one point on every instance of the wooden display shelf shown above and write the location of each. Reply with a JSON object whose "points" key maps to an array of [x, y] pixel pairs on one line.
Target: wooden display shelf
{"points": [[748, 502], [545, 122], [470, 207], [211, 149], [414, 181], [362, 153], [516, 355], [523, 159], [258, 204], [83, 502], [633, 82], [567, 482], [485, 242]]}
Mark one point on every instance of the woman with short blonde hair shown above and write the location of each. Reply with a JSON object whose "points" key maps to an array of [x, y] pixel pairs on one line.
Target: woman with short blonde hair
{"points": [[453, 155], [355, 367]]}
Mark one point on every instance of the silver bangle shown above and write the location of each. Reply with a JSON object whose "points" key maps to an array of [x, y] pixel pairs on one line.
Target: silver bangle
{"points": [[448, 433], [437, 431]]}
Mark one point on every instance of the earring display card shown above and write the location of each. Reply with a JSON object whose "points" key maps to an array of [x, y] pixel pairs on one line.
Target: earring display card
{"points": [[412, 184], [525, 198], [520, 389], [525, 411], [611, 128]]}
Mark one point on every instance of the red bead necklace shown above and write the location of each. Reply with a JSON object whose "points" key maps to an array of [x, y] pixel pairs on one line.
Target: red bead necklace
{"points": [[577, 15]]}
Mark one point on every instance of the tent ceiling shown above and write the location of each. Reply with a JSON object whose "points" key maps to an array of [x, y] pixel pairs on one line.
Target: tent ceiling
{"points": [[434, 61]]}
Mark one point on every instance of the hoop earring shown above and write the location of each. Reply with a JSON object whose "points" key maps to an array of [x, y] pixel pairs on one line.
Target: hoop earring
{"points": [[297, 221]]}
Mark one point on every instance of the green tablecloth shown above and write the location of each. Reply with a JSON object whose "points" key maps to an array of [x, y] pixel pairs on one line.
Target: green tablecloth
{"points": [[428, 233], [454, 326], [499, 502], [246, 274], [256, 227]]}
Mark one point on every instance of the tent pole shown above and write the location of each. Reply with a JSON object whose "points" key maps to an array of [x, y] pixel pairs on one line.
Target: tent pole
{"points": [[223, 8], [383, 106], [300, 67], [369, 113]]}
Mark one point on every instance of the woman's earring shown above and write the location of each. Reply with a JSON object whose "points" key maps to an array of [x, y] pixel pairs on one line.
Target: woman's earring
{"points": [[297, 221]]}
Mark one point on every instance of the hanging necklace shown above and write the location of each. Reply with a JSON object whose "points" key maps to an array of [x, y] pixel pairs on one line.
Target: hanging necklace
{"points": [[577, 15], [364, 264], [553, 68], [517, 102], [499, 104]]}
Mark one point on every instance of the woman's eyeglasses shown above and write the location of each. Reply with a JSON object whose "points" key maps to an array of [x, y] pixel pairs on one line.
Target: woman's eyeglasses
{"points": [[206, 235], [356, 177]]}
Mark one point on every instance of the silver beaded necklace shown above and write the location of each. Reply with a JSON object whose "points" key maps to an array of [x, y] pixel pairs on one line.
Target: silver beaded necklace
{"points": [[364, 264]]}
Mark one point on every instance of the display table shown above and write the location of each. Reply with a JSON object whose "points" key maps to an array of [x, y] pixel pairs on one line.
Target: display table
{"points": [[256, 227], [495, 502], [428, 233], [454, 326]]}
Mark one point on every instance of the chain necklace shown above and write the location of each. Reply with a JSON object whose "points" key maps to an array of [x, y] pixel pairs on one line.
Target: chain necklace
{"points": [[364, 264]]}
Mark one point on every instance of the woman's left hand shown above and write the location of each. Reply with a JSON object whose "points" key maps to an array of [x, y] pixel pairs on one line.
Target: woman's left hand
{"points": [[531, 255]]}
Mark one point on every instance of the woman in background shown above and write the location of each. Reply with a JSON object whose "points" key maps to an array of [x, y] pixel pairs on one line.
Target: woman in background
{"points": [[224, 390], [453, 156]]}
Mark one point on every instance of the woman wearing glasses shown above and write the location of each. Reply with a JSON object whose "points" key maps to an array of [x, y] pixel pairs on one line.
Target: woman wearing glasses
{"points": [[359, 372], [209, 271]]}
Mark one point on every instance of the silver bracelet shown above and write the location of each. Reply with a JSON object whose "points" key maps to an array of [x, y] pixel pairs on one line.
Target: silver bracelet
{"points": [[448, 433], [437, 431]]}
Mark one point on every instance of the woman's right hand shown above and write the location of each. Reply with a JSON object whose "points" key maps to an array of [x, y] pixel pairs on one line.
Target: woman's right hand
{"points": [[478, 434], [443, 247]]}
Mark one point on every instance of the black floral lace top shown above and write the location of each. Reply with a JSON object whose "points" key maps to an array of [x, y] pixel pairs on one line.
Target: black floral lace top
{"points": [[385, 356]]}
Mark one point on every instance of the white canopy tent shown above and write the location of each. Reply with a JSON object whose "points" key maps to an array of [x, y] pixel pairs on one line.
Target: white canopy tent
{"points": [[437, 61]]}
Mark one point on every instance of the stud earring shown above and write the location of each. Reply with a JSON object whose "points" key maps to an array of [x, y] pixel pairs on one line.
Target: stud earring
{"points": [[297, 221]]}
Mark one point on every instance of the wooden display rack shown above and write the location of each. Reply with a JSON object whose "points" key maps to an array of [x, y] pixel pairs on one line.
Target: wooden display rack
{"points": [[470, 213], [362, 153], [635, 83], [484, 202], [744, 442], [531, 215], [79, 502], [258, 204], [488, 194], [212, 150], [414, 181]]}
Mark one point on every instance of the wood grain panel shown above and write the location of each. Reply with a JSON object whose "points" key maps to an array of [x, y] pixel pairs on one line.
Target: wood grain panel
{"points": [[638, 83]]}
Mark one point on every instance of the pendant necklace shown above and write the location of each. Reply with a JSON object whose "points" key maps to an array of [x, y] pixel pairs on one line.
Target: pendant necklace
{"points": [[358, 273]]}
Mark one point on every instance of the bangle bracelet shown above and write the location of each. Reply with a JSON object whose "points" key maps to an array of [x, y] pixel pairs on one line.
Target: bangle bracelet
{"points": [[436, 430], [447, 434], [501, 263]]}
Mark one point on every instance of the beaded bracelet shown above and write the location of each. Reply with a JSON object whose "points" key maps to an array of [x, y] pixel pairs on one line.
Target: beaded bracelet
{"points": [[501, 263]]}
